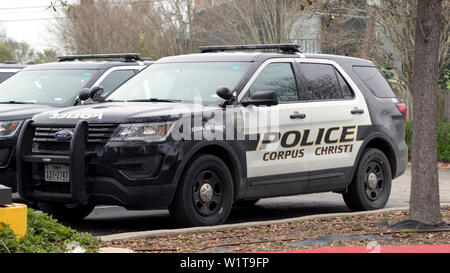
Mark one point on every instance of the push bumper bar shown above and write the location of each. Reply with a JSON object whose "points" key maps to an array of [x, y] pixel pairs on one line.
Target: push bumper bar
{"points": [[75, 160]]}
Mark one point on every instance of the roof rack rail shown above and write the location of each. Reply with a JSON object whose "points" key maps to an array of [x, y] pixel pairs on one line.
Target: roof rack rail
{"points": [[285, 48], [129, 57]]}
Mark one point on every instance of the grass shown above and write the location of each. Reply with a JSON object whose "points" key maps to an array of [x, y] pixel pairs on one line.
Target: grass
{"points": [[44, 235]]}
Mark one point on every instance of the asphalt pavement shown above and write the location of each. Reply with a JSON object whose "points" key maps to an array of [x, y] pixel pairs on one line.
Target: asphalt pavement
{"points": [[105, 220]]}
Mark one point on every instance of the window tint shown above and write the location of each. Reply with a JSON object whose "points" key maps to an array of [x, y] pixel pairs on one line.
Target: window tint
{"points": [[114, 79], [323, 82], [373, 79], [278, 77]]}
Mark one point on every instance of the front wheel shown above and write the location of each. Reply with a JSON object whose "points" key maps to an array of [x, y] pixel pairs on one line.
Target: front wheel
{"points": [[371, 185], [205, 193], [68, 212]]}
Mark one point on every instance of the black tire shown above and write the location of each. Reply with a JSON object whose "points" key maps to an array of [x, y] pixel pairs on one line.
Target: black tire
{"points": [[371, 185], [66, 212], [204, 194], [245, 203]]}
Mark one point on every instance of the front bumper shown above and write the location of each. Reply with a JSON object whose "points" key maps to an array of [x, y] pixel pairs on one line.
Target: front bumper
{"points": [[134, 175], [8, 162], [401, 158]]}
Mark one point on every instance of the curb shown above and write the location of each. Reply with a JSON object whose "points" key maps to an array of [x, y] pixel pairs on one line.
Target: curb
{"points": [[378, 249], [168, 232]]}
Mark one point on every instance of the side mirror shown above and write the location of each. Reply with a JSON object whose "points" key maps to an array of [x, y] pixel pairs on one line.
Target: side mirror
{"points": [[84, 94], [95, 93], [259, 98], [224, 93]]}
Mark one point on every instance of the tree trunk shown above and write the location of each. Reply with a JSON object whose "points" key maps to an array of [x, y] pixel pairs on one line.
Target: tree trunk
{"points": [[366, 51], [424, 199]]}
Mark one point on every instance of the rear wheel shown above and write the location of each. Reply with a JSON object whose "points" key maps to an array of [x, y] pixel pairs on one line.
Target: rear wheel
{"points": [[68, 212], [371, 185], [205, 193]]}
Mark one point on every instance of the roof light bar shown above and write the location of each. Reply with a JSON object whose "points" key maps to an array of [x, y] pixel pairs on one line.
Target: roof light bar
{"points": [[129, 57], [287, 48]]}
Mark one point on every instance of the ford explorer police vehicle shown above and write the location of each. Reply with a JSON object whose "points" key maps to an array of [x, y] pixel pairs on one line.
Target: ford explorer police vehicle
{"points": [[37, 88], [232, 124]]}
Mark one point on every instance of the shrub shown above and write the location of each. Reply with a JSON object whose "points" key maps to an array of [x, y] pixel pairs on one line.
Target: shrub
{"points": [[443, 140], [44, 235]]}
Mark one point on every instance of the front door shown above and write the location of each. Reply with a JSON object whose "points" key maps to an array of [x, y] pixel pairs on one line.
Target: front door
{"points": [[278, 162]]}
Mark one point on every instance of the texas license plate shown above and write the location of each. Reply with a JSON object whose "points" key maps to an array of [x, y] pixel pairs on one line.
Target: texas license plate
{"points": [[57, 173]]}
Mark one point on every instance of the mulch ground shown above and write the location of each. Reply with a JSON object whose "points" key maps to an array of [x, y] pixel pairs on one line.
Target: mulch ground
{"points": [[363, 230]]}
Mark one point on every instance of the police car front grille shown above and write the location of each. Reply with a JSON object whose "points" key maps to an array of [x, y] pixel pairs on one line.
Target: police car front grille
{"points": [[44, 138]]}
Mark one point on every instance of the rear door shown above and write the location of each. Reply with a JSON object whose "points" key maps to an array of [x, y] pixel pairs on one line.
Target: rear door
{"points": [[338, 111]]}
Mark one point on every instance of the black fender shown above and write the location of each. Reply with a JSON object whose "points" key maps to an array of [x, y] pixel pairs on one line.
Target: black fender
{"points": [[374, 135], [237, 161]]}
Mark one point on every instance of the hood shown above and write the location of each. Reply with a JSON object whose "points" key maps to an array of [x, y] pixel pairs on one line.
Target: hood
{"points": [[21, 111], [121, 112]]}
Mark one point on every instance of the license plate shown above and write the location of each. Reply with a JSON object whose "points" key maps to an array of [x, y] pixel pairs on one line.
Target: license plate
{"points": [[57, 173]]}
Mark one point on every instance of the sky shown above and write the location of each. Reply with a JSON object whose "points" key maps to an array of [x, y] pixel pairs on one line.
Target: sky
{"points": [[29, 21]]}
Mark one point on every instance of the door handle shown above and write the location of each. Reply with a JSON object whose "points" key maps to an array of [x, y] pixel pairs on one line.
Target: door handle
{"points": [[297, 115], [357, 111]]}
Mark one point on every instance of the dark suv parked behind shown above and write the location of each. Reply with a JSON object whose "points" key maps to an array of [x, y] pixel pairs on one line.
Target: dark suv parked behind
{"points": [[44, 87]]}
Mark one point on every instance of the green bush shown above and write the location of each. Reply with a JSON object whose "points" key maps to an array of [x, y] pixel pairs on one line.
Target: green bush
{"points": [[44, 235], [443, 140]]}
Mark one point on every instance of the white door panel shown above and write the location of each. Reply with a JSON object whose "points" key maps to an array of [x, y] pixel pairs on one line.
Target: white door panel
{"points": [[337, 151], [270, 157]]}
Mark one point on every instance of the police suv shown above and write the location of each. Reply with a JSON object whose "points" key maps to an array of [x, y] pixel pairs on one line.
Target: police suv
{"points": [[233, 124], [74, 80]]}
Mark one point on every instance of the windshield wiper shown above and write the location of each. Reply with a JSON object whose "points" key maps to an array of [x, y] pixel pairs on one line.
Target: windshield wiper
{"points": [[16, 102], [154, 100]]}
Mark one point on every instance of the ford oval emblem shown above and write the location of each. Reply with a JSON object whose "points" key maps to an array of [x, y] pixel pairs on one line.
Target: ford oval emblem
{"points": [[63, 135]]}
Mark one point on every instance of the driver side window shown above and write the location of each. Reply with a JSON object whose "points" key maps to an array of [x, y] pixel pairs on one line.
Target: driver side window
{"points": [[278, 77]]}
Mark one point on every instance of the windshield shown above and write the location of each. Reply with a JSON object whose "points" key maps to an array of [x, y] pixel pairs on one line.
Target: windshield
{"points": [[182, 81], [50, 87]]}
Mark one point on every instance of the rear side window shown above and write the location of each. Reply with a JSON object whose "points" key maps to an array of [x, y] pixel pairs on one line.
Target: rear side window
{"points": [[114, 79], [323, 82], [374, 80]]}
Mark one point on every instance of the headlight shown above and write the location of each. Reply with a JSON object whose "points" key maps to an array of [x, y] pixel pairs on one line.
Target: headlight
{"points": [[157, 131], [9, 128]]}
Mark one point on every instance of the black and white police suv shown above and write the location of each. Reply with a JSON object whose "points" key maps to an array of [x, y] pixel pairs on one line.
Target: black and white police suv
{"points": [[197, 133], [74, 80]]}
